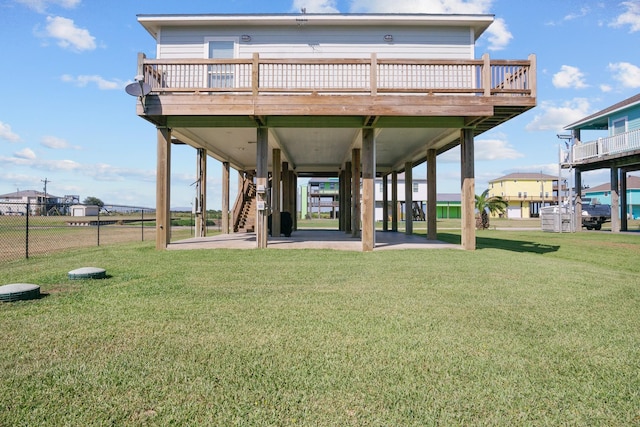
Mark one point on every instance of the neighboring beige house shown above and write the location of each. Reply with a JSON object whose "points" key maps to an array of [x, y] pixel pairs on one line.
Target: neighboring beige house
{"points": [[16, 203], [526, 193]]}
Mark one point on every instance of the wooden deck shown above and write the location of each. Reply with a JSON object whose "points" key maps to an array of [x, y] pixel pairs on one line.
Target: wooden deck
{"points": [[372, 92]]}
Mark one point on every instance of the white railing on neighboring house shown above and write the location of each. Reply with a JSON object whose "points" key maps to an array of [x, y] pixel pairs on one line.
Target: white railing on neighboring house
{"points": [[617, 144]]}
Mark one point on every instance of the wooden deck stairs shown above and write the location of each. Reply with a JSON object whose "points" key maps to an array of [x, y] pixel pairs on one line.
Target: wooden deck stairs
{"points": [[244, 209]]}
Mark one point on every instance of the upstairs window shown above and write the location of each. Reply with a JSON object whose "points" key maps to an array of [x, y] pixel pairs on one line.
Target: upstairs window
{"points": [[619, 126]]}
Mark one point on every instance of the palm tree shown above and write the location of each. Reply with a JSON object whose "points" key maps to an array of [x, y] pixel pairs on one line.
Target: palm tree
{"points": [[486, 204]]}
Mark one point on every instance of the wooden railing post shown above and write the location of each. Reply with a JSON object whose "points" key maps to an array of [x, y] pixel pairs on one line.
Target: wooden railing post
{"points": [[255, 74], [374, 74], [141, 58], [532, 75], [486, 74]]}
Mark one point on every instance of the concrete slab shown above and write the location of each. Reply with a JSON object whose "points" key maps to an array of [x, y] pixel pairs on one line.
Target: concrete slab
{"points": [[312, 239]]}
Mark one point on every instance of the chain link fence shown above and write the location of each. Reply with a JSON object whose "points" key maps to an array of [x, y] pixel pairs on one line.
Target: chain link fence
{"points": [[31, 229], [28, 229]]}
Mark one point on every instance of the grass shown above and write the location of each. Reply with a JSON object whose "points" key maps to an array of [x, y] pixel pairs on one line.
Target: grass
{"points": [[530, 329]]}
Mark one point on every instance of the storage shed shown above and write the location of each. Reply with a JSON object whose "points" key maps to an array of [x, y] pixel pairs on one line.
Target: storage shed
{"points": [[84, 210]]}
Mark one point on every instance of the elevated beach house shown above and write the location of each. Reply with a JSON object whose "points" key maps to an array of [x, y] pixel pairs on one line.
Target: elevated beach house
{"points": [[277, 97], [618, 151]]}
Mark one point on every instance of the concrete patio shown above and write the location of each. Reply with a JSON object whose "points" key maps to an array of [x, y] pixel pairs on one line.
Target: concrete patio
{"points": [[313, 239]]}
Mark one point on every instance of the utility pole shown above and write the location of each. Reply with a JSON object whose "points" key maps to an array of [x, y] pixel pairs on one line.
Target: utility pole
{"points": [[46, 181]]}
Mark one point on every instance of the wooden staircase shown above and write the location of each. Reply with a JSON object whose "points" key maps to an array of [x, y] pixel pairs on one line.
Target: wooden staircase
{"points": [[244, 209]]}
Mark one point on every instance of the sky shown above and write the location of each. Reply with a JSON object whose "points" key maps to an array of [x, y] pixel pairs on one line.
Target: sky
{"points": [[65, 117]]}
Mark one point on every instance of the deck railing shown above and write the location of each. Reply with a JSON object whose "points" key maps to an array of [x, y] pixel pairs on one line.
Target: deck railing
{"points": [[617, 144], [369, 76]]}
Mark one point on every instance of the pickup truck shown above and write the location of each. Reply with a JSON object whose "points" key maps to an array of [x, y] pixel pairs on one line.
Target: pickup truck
{"points": [[593, 216]]}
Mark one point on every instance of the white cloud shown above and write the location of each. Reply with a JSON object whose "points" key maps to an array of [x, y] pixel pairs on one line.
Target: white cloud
{"points": [[7, 133], [626, 73], [68, 35], [569, 77], [315, 6], [552, 117], [630, 17], [42, 5], [26, 153], [581, 13], [55, 143], [495, 149], [499, 35], [47, 165], [102, 83], [606, 88]]}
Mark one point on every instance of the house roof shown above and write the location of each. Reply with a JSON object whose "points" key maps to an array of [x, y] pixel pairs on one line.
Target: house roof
{"points": [[26, 193], [449, 197], [633, 183], [600, 120], [526, 176], [153, 23]]}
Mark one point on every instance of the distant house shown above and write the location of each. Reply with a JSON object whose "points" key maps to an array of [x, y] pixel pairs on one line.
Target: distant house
{"points": [[602, 194], [526, 193], [16, 203], [321, 197], [619, 152]]}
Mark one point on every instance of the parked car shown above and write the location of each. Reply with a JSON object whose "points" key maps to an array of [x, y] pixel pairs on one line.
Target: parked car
{"points": [[593, 216]]}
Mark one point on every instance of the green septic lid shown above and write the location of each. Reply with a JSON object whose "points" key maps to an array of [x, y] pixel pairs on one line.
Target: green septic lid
{"points": [[19, 291], [88, 273]]}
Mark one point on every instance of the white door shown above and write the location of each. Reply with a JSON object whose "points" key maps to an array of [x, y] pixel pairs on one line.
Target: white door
{"points": [[221, 75], [514, 212]]}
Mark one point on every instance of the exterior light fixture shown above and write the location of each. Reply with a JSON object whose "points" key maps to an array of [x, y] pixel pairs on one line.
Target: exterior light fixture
{"points": [[388, 38], [245, 38]]}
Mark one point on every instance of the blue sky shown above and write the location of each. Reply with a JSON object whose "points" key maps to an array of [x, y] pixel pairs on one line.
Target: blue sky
{"points": [[64, 114]]}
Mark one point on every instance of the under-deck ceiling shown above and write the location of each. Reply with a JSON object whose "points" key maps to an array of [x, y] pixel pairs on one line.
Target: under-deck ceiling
{"points": [[317, 151]]}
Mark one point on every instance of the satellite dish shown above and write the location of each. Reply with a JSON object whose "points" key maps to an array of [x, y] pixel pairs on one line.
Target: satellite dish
{"points": [[138, 89]]}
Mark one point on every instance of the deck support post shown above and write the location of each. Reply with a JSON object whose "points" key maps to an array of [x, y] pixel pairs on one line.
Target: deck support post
{"points": [[262, 181], [385, 202], [615, 202], [347, 198], [294, 200], [355, 192], [394, 201], [368, 190], [225, 198], [276, 207], [286, 188], [341, 197], [200, 205], [624, 208], [467, 189], [163, 188], [408, 198], [432, 196], [577, 183]]}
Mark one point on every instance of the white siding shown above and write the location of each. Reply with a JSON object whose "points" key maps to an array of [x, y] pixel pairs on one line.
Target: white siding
{"points": [[324, 42]]}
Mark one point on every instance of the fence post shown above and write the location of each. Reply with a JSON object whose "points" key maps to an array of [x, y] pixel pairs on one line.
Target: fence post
{"points": [[98, 226], [142, 224], [26, 242]]}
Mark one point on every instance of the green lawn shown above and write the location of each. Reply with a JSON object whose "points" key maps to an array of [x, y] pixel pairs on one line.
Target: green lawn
{"points": [[532, 328]]}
